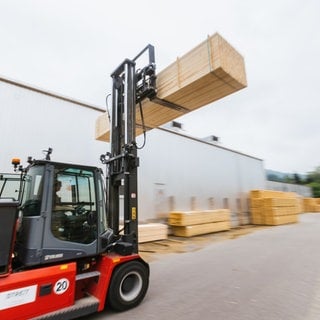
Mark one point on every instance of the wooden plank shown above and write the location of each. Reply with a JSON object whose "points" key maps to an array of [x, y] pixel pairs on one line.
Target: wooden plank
{"points": [[256, 202], [152, 232], [208, 72], [280, 202], [275, 221], [186, 218], [274, 202], [198, 229], [257, 220], [279, 211], [257, 211], [271, 194], [102, 128], [311, 204]]}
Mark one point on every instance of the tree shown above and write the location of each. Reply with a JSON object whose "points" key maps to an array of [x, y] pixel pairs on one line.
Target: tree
{"points": [[313, 180], [297, 179], [273, 177], [315, 186]]}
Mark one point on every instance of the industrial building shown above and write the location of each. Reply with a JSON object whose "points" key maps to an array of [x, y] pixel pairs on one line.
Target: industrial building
{"points": [[177, 171], [34, 119], [180, 172]]}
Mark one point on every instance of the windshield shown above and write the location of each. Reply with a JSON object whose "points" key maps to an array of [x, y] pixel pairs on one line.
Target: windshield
{"points": [[9, 186], [78, 211]]}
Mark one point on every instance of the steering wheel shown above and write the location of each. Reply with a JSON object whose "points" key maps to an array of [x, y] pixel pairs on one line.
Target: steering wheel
{"points": [[79, 209]]}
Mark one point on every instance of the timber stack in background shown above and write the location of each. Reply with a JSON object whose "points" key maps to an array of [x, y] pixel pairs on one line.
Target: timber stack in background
{"points": [[267, 207], [311, 204], [273, 208], [152, 232], [193, 223]]}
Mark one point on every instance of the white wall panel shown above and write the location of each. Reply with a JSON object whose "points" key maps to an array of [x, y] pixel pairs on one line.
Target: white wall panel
{"points": [[176, 171], [195, 174], [31, 122]]}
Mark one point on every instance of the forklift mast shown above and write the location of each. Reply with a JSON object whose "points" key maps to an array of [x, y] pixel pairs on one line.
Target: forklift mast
{"points": [[63, 255], [129, 88]]}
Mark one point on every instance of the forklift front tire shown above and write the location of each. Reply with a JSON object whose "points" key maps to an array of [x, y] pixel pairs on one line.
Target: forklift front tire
{"points": [[129, 284]]}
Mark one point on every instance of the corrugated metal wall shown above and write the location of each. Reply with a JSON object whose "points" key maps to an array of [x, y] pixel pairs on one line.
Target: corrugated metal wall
{"points": [[182, 173], [31, 121]]}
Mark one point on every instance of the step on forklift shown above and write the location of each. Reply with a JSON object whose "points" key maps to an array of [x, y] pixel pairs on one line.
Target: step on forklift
{"points": [[62, 252]]}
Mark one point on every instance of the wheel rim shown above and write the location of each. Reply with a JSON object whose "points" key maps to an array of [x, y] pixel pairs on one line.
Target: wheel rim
{"points": [[130, 286]]}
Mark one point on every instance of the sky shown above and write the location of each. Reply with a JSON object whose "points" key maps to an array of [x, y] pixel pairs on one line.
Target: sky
{"points": [[72, 46]]}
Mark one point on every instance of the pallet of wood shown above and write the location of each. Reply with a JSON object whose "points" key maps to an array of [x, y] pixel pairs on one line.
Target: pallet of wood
{"points": [[269, 207], [152, 232], [149, 232], [209, 72], [311, 204], [193, 223], [254, 194]]}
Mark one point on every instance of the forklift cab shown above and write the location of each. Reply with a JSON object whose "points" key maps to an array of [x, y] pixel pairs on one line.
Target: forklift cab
{"points": [[62, 214]]}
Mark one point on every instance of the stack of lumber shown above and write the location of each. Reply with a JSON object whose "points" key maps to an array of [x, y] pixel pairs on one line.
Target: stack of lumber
{"points": [[270, 207], [209, 72], [102, 127], [152, 232], [311, 204], [192, 223]]}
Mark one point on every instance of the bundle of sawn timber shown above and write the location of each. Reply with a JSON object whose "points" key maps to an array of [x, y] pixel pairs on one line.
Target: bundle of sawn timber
{"points": [[311, 204], [210, 71], [269, 207], [192, 223]]}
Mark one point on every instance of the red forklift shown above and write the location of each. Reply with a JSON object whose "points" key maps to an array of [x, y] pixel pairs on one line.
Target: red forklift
{"points": [[62, 252]]}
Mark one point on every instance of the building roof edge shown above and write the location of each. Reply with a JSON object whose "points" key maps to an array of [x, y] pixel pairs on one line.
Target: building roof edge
{"points": [[206, 142], [50, 93]]}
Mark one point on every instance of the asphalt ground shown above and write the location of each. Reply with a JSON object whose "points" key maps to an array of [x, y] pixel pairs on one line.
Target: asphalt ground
{"points": [[270, 273]]}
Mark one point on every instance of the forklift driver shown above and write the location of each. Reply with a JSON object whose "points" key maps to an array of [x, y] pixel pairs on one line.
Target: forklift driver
{"points": [[60, 213], [67, 222]]}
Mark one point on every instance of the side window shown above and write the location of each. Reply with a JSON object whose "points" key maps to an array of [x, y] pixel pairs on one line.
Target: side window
{"points": [[31, 201], [74, 205], [9, 186]]}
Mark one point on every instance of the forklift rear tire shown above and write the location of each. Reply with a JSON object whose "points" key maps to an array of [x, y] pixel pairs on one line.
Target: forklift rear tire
{"points": [[129, 285]]}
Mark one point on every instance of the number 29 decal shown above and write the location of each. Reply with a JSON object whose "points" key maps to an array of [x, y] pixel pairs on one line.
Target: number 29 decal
{"points": [[61, 286]]}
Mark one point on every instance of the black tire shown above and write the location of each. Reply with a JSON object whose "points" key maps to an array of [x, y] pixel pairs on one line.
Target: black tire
{"points": [[128, 286]]}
